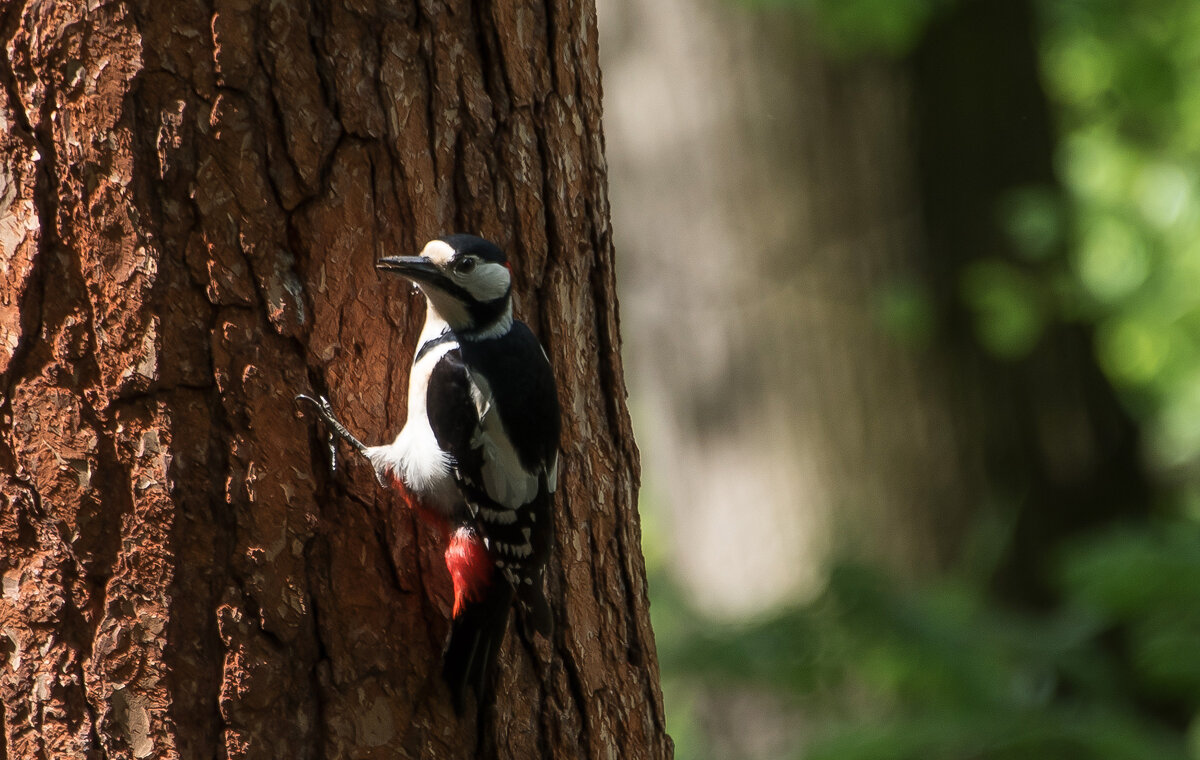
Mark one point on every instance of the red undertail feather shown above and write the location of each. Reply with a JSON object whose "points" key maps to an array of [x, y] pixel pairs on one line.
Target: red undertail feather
{"points": [[470, 567], [482, 600]]}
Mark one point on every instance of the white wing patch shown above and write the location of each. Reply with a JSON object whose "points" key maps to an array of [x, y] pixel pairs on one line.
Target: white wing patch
{"points": [[514, 550], [552, 474], [505, 480]]}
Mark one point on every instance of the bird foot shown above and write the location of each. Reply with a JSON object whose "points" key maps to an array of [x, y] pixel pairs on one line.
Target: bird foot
{"points": [[336, 428]]}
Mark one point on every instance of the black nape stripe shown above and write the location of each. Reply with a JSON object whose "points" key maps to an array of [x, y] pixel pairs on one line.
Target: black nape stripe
{"points": [[446, 337], [484, 314]]}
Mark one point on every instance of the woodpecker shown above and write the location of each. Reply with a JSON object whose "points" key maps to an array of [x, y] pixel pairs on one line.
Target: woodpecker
{"points": [[478, 454]]}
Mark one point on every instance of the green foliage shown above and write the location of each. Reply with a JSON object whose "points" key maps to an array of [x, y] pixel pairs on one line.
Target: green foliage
{"points": [[1035, 220], [947, 672], [906, 313], [863, 27], [1121, 78], [891, 26], [1009, 304]]}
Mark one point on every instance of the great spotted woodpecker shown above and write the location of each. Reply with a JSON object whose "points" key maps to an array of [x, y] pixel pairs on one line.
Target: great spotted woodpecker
{"points": [[478, 454]]}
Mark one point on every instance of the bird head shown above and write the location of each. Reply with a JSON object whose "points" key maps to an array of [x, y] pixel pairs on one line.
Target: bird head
{"points": [[465, 279]]}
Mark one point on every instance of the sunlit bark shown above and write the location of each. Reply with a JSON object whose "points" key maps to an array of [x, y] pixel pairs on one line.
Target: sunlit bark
{"points": [[191, 198]]}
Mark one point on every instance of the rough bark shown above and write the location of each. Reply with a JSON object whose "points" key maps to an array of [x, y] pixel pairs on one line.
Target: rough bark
{"points": [[191, 197]]}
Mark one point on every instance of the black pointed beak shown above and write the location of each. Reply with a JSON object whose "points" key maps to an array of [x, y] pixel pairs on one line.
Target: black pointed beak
{"points": [[416, 268]]}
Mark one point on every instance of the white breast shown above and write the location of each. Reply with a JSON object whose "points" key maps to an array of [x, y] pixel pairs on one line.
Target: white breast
{"points": [[415, 456]]}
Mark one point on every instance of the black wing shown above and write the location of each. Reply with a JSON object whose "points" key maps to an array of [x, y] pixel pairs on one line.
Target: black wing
{"points": [[453, 417], [518, 537], [522, 385]]}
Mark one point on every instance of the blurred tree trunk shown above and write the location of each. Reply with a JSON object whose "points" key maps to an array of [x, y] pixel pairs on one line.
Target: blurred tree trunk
{"points": [[191, 198], [829, 209], [1053, 440]]}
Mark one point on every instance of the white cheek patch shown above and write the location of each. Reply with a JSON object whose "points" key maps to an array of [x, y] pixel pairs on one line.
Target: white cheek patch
{"points": [[486, 282], [439, 252]]}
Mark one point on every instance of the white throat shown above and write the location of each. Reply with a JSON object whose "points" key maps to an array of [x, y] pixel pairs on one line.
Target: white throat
{"points": [[435, 325], [415, 456], [445, 309]]}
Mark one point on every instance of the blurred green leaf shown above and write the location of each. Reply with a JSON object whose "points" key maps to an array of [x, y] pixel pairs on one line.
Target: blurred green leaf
{"points": [[1131, 351], [888, 26], [1164, 651], [1112, 259], [1008, 305], [863, 27], [905, 311], [1131, 574], [1034, 219]]}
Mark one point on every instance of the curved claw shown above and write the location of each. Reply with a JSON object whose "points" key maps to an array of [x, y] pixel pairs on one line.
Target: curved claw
{"points": [[325, 411]]}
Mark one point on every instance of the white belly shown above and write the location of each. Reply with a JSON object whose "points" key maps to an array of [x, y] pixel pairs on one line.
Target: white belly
{"points": [[417, 460]]}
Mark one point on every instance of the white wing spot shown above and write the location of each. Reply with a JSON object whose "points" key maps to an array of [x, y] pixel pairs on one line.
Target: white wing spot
{"points": [[524, 550], [552, 474], [498, 516]]}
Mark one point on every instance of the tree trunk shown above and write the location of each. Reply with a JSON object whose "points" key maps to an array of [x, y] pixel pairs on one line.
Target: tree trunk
{"points": [[1055, 443], [191, 199]]}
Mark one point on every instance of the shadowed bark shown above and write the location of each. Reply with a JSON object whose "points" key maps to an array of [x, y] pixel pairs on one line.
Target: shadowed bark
{"points": [[192, 195]]}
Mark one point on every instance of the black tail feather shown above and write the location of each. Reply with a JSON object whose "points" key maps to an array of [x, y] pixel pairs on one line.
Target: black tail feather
{"points": [[475, 638], [538, 616]]}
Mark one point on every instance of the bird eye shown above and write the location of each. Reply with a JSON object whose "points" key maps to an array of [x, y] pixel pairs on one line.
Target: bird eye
{"points": [[465, 266]]}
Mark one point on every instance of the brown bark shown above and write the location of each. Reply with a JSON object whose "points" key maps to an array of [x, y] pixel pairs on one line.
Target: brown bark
{"points": [[191, 198]]}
